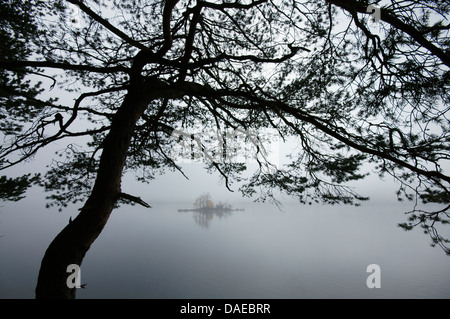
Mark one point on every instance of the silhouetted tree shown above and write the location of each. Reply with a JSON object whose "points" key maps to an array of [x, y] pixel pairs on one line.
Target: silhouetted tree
{"points": [[349, 91]]}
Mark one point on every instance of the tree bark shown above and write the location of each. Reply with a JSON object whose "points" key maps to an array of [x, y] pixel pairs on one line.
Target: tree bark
{"points": [[72, 243]]}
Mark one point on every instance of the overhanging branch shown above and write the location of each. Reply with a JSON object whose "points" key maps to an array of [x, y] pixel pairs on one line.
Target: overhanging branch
{"points": [[12, 65], [196, 89], [107, 25], [133, 199], [418, 36]]}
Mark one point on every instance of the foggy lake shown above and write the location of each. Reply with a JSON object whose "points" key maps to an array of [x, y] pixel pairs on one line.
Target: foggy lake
{"points": [[310, 97], [299, 251]]}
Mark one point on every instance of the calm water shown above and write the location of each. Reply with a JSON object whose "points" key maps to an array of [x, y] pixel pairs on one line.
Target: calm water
{"points": [[300, 252]]}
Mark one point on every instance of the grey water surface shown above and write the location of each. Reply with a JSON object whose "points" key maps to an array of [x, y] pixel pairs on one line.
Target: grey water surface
{"points": [[300, 251]]}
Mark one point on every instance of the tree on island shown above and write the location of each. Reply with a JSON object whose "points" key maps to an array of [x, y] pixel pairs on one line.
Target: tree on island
{"points": [[348, 90], [203, 201]]}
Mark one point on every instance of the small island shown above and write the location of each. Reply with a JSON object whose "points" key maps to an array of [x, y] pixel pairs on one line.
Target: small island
{"points": [[204, 204]]}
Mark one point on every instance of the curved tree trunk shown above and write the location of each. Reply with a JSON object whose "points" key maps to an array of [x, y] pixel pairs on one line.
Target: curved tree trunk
{"points": [[72, 243]]}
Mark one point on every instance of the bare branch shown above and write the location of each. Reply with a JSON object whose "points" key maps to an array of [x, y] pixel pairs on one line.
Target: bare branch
{"points": [[133, 199]]}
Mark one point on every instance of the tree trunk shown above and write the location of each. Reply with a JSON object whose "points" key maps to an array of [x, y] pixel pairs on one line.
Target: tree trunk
{"points": [[72, 243]]}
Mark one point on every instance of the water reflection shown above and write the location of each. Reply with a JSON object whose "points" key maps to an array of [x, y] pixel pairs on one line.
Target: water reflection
{"points": [[204, 217], [204, 210]]}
